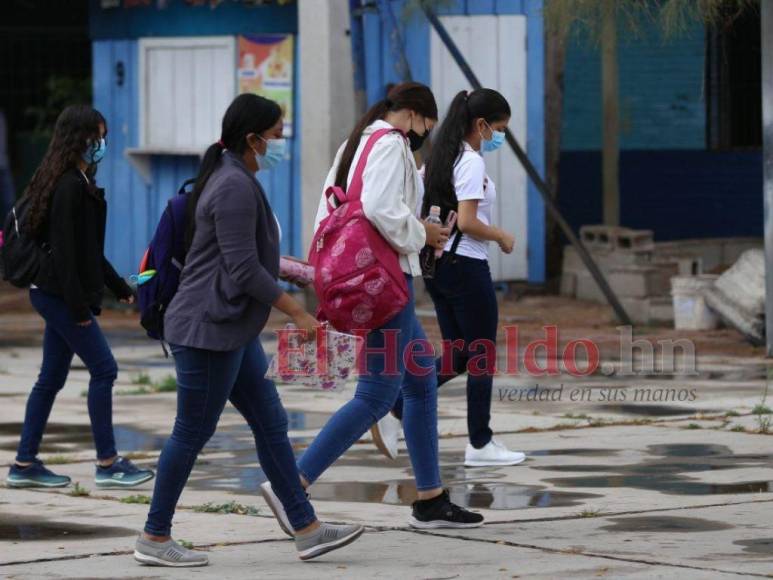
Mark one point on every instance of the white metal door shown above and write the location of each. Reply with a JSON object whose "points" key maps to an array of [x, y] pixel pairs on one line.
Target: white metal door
{"points": [[495, 47]]}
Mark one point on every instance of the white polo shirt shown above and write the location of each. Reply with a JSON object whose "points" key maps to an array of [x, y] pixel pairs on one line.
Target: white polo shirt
{"points": [[472, 183]]}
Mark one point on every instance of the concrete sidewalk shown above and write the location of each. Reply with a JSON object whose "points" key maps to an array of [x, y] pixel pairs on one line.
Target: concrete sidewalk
{"points": [[635, 489]]}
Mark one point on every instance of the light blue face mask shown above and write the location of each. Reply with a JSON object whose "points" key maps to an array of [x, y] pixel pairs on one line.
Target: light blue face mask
{"points": [[496, 141], [276, 151], [95, 152]]}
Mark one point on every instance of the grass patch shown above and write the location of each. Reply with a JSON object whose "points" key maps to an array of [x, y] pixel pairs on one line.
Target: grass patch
{"points": [[762, 411], [185, 544], [79, 491], [85, 393], [4, 371], [168, 384], [589, 513], [59, 460], [230, 507], [573, 416], [143, 499], [142, 379], [693, 426], [738, 428], [137, 455], [732, 414]]}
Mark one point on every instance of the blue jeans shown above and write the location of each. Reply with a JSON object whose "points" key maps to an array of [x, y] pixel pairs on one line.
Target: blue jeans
{"points": [[376, 393], [63, 338], [205, 381], [466, 308]]}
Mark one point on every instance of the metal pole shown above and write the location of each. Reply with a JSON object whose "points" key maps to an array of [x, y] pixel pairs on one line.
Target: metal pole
{"points": [[766, 21], [534, 175]]}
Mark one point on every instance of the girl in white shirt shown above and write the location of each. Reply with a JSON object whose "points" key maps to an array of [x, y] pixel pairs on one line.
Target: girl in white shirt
{"points": [[462, 289], [389, 197]]}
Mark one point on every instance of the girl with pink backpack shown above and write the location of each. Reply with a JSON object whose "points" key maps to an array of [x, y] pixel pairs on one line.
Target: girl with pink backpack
{"points": [[374, 173]]}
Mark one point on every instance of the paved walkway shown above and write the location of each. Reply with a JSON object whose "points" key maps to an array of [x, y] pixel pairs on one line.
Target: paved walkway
{"points": [[617, 489]]}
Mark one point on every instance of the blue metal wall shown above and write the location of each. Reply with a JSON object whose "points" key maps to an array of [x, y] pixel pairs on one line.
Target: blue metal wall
{"points": [[381, 67], [134, 206], [662, 102], [669, 181], [678, 194]]}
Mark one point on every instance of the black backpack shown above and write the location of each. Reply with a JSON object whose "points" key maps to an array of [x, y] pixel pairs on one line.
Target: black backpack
{"points": [[22, 258]]}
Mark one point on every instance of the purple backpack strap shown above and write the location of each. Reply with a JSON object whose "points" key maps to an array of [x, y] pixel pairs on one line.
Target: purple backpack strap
{"points": [[355, 188]]}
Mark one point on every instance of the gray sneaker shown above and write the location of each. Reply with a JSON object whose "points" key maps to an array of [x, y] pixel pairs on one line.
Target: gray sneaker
{"points": [[326, 538], [168, 553]]}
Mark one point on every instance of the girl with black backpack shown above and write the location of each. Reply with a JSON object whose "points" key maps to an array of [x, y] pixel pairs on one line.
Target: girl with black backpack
{"points": [[66, 212]]}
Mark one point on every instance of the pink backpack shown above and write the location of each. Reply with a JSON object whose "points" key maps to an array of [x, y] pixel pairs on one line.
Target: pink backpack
{"points": [[358, 278]]}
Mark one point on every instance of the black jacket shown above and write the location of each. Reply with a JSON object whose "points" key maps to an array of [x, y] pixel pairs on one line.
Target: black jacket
{"points": [[75, 232]]}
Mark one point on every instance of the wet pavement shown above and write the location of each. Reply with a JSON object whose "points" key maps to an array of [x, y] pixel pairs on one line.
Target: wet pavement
{"points": [[640, 487]]}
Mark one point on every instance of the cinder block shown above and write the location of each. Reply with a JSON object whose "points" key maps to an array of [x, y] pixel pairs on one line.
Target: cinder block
{"points": [[661, 309], [642, 281], [616, 239], [572, 261], [638, 309], [686, 265], [568, 284], [588, 289]]}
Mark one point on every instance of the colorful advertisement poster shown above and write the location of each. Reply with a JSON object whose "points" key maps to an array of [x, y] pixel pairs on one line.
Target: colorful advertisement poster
{"points": [[266, 69]]}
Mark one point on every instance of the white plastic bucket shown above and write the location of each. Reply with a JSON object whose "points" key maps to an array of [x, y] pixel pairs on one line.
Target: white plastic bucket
{"points": [[690, 309]]}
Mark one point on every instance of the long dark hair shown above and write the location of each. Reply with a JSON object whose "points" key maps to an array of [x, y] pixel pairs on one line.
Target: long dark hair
{"points": [[447, 145], [75, 128], [247, 114], [413, 96]]}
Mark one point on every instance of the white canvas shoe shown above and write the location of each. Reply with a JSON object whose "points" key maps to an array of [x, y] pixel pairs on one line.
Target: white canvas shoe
{"points": [[493, 454], [386, 434]]}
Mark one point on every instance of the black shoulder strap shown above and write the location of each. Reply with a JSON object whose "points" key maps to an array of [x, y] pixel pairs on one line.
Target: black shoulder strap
{"points": [[455, 244]]}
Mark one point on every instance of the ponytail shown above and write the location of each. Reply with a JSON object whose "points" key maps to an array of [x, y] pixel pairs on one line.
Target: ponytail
{"points": [[209, 163], [446, 149], [465, 108], [414, 96]]}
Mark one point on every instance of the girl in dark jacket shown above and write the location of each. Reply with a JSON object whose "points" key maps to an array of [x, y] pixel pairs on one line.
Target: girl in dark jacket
{"points": [[66, 214]]}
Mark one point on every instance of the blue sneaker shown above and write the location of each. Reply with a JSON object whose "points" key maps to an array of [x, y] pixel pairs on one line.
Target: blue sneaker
{"points": [[35, 475], [122, 473]]}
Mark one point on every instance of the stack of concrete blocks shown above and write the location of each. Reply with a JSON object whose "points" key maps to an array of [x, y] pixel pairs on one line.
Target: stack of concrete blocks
{"points": [[626, 257]]}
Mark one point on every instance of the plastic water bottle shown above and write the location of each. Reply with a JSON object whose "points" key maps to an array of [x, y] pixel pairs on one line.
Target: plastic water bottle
{"points": [[428, 257]]}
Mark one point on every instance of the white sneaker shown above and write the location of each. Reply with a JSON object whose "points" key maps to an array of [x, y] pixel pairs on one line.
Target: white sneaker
{"points": [[276, 506], [492, 454], [386, 434]]}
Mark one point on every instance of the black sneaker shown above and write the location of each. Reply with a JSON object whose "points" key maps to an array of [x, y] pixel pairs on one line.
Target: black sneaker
{"points": [[439, 512]]}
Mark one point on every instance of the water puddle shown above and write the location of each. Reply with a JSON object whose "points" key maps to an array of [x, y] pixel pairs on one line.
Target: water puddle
{"points": [[64, 438], [480, 495], [584, 452], [25, 528], [668, 471], [665, 524], [651, 410], [757, 546]]}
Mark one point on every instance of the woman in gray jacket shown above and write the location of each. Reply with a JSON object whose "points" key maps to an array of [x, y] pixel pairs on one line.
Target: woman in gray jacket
{"points": [[227, 289]]}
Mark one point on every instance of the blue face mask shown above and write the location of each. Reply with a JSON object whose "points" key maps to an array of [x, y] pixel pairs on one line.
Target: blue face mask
{"points": [[496, 141], [95, 152], [276, 151]]}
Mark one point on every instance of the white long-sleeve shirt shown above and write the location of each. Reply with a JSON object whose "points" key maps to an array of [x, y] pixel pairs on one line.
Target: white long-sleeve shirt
{"points": [[390, 192]]}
